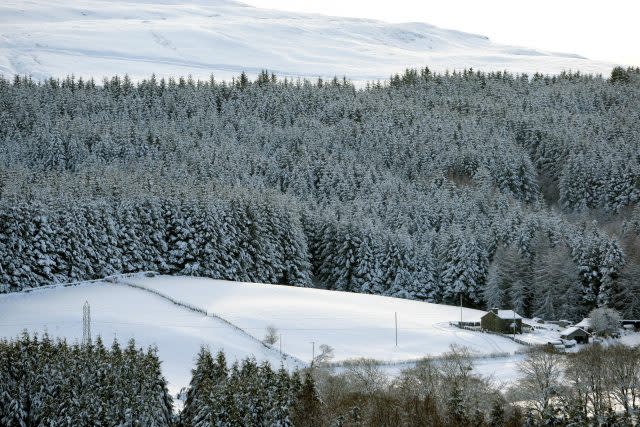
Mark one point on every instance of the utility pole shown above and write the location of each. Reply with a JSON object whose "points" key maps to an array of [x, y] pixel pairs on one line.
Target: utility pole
{"points": [[86, 324], [461, 310], [313, 352], [396, 316]]}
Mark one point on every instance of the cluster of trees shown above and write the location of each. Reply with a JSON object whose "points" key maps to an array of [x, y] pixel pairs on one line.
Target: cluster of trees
{"points": [[247, 394], [432, 186], [434, 393], [46, 382], [235, 238], [595, 386]]}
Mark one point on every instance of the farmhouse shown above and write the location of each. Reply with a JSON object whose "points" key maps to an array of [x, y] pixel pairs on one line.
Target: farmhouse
{"points": [[574, 333], [502, 321]]}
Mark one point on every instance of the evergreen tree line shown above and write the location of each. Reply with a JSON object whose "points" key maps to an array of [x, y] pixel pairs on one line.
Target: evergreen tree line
{"points": [[247, 394], [51, 383], [237, 239], [244, 238], [437, 187]]}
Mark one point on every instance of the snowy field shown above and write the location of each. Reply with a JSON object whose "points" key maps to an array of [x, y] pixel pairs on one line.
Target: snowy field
{"points": [[355, 325], [125, 312], [102, 38]]}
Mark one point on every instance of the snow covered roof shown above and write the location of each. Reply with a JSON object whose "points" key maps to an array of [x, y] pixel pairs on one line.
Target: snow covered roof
{"points": [[507, 314], [571, 330], [584, 323]]}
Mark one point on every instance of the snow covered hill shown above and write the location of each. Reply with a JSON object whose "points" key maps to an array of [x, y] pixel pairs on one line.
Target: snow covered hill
{"points": [[198, 37], [122, 312], [355, 325]]}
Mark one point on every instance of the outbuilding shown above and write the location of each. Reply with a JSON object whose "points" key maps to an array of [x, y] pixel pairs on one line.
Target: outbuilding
{"points": [[579, 335], [502, 321], [631, 324]]}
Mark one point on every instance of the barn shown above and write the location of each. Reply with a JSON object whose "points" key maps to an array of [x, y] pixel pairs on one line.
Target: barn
{"points": [[574, 333], [502, 321]]}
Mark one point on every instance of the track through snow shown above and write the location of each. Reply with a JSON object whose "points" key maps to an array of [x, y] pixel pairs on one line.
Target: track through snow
{"points": [[97, 38]]}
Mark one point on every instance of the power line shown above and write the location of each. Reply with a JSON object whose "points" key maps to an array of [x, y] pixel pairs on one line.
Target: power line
{"points": [[86, 324], [258, 328]]}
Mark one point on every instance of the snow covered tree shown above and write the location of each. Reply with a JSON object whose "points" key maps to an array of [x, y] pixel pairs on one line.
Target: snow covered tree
{"points": [[368, 274], [319, 183], [496, 293], [599, 261], [556, 285], [398, 266], [196, 408], [605, 321], [463, 268], [307, 410]]}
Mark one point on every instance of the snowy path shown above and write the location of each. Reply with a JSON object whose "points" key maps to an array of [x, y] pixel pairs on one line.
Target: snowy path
{"points": [[503, 371]]}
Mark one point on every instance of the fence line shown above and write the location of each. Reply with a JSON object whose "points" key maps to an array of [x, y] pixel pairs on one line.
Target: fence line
{"points": [[76, 283], [475, 329], [191, 307]]}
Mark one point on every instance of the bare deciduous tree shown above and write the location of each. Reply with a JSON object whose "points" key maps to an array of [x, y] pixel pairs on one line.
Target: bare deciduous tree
{"points": [[541, 370], [623, 373], [605, 321], [271, 336], [326, 354], [366, 375], [587, 379]]}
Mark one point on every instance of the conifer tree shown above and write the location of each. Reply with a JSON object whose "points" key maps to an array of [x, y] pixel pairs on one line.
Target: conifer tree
{"points": [[307, 410]]}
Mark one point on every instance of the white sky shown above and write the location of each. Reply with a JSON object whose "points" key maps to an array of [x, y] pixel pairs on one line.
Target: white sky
{"points": [[604, 30]]}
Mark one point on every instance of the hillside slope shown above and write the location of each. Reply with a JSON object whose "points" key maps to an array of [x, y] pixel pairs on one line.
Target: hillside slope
{"points": [[98, 38], [356, 325], [123, 312]]}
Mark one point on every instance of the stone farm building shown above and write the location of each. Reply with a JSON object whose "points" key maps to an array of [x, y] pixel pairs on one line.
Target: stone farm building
{"points": [[574, 333], [502, 321]]}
